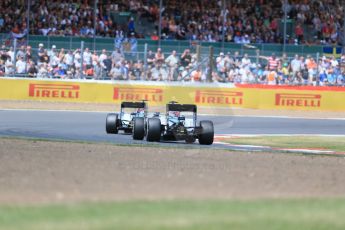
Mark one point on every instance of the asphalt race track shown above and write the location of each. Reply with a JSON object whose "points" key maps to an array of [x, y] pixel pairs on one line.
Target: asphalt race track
{"points": [[90, 126]]}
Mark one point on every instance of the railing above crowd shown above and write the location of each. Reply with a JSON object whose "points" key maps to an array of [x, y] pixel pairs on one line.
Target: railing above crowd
{"points": [[139, 60]]}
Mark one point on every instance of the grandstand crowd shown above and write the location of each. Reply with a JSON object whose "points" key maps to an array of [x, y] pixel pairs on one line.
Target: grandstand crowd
{"points": [[252, 21], [249, 21], [159, 66]]}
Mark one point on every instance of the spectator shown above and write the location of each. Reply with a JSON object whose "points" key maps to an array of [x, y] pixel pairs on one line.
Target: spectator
{"points": [[296, 66], [9, 67], [159, 57], [245, 62], [68, 59], [10, 54], [52, 52], [158, 73], [272, 77], [77, 59], [186, 74], [299, 32], [28, 53], [150, 59], [98, 71], [131, 25], [42, 71], [125, 70], [341, 64], [21, 52], [172, 62], [285, 75], [54, 60], [40, 53], [186, 58], [32, 69], [21, 65], [221, 65], [45, 58], [116, 55], [138, 70], [196, 75], [94, 58], [116, 72], [103, 56], [61, 55], [87, 58], [78, 74], [107, 65], [272, 62], [311, 66]]}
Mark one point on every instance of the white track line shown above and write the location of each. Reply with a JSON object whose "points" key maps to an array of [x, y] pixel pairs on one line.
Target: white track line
{"points": [[57, 110], [315, 151], [235, 145], [203, 114], [266, 116], [276, 135], [291, 150]]}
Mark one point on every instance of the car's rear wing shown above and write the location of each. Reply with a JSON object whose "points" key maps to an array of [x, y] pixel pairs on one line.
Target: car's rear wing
{"points": [[182, 107], [128, 104]]}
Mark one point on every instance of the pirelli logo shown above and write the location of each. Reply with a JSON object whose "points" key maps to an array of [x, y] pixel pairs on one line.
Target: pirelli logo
{"points": [[298, 100], [54, 91], [219, 98], [137, 94]]}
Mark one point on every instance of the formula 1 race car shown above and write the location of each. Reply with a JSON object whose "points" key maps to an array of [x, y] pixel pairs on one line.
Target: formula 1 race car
{"points": [[124, 120], [179, 123]]}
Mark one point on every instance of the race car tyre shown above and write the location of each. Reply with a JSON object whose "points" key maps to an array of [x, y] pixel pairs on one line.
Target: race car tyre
{"points": [[111, 123], [207, 133], [138, 132], [153, 129]]}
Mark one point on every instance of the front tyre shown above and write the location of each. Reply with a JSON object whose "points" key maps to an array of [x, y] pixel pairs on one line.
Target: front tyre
{"points": [[111, 123], [207, 134]]}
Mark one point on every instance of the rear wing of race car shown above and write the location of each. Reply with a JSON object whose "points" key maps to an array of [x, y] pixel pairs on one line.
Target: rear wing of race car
{"points": [[133, 105], [182, 107]]}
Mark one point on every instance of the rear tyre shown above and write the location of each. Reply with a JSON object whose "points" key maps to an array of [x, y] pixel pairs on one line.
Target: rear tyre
{"points": [[111, 123], [138, 128], [153, 129], [207, 133]]}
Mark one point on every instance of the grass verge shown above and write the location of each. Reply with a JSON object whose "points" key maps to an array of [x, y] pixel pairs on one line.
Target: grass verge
{"points": [[314, 142], [293, 214]]}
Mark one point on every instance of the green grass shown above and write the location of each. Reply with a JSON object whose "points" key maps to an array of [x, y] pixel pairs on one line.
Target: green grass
{"points": [[315, 214], [327, 143]]}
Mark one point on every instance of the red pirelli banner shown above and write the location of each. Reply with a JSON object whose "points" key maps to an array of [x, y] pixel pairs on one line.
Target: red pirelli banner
{"points": [[211, 95], [54, 91]]}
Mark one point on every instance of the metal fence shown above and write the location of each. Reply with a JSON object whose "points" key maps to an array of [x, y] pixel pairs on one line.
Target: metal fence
{"points": [[134, 62], [166, 45]]}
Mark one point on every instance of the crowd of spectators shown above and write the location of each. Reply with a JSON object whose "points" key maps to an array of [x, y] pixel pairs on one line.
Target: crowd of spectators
{"points": [[254, 21], [250, 21], [159, 66], [65, 17]]}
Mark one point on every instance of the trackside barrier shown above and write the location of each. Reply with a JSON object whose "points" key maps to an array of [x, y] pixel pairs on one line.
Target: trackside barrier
{"points": [[211, 95]]}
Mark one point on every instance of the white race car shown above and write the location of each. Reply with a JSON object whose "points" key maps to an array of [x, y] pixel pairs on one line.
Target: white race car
{"points": [[124, 120], [179, 123]]}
